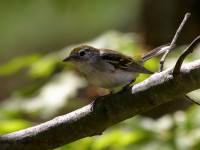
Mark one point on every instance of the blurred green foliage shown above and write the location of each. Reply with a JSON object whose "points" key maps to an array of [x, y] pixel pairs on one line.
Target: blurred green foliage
{"points": [[63, 90], [17, 64], [43, 26], [8, 126]]}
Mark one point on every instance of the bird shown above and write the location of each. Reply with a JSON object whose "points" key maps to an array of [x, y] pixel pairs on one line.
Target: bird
{"points": [[108, 68]]}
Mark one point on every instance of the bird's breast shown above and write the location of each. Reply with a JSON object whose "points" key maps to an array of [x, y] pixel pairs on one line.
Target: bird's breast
{"points": [[106, 77]]}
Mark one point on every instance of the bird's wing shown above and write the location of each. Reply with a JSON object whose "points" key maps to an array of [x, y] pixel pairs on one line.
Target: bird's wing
{"points": [[124, 62]]}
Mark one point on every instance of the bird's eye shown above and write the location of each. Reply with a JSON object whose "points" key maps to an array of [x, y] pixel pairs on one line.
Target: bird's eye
{"points": [[82, 53]]}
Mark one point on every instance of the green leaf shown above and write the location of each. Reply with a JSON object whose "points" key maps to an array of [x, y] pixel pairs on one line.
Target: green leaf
{"points": [[17, 64], [8, 126]]}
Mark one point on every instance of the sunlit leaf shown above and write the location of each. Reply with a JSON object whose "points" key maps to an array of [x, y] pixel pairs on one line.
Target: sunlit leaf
{"points": [[7, 126], [17, 64], [43, 67]]}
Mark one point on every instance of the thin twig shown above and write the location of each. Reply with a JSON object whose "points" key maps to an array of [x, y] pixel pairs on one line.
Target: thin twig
{"points": [[187, 15], [183, 55], [192, 100]]}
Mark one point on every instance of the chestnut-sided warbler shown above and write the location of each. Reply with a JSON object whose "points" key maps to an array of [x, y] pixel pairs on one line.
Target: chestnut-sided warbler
{"points": [[108, 68]]}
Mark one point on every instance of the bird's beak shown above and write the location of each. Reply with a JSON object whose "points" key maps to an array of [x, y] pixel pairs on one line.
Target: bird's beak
{"points": [[69, 58]]}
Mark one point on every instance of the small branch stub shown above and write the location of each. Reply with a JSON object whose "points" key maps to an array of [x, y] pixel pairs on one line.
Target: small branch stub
{"points": [[184, 54]]}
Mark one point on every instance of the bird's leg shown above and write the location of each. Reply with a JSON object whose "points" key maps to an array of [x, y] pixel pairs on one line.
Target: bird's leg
{"points": [[127, 86], [111, 91]]}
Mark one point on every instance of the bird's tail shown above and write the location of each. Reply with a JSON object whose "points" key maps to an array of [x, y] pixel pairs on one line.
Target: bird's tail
{"points": [[155, 52]]}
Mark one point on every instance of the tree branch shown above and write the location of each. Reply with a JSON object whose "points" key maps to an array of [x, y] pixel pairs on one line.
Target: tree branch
{"points": [[94, 118]]}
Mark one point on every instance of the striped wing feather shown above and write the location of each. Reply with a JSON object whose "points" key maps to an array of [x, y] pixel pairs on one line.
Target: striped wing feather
{"points": [[121, 61]]}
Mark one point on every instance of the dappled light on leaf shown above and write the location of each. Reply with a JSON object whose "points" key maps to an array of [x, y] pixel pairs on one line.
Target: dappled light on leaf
{"points": [[55, 94], [43, 67]]}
